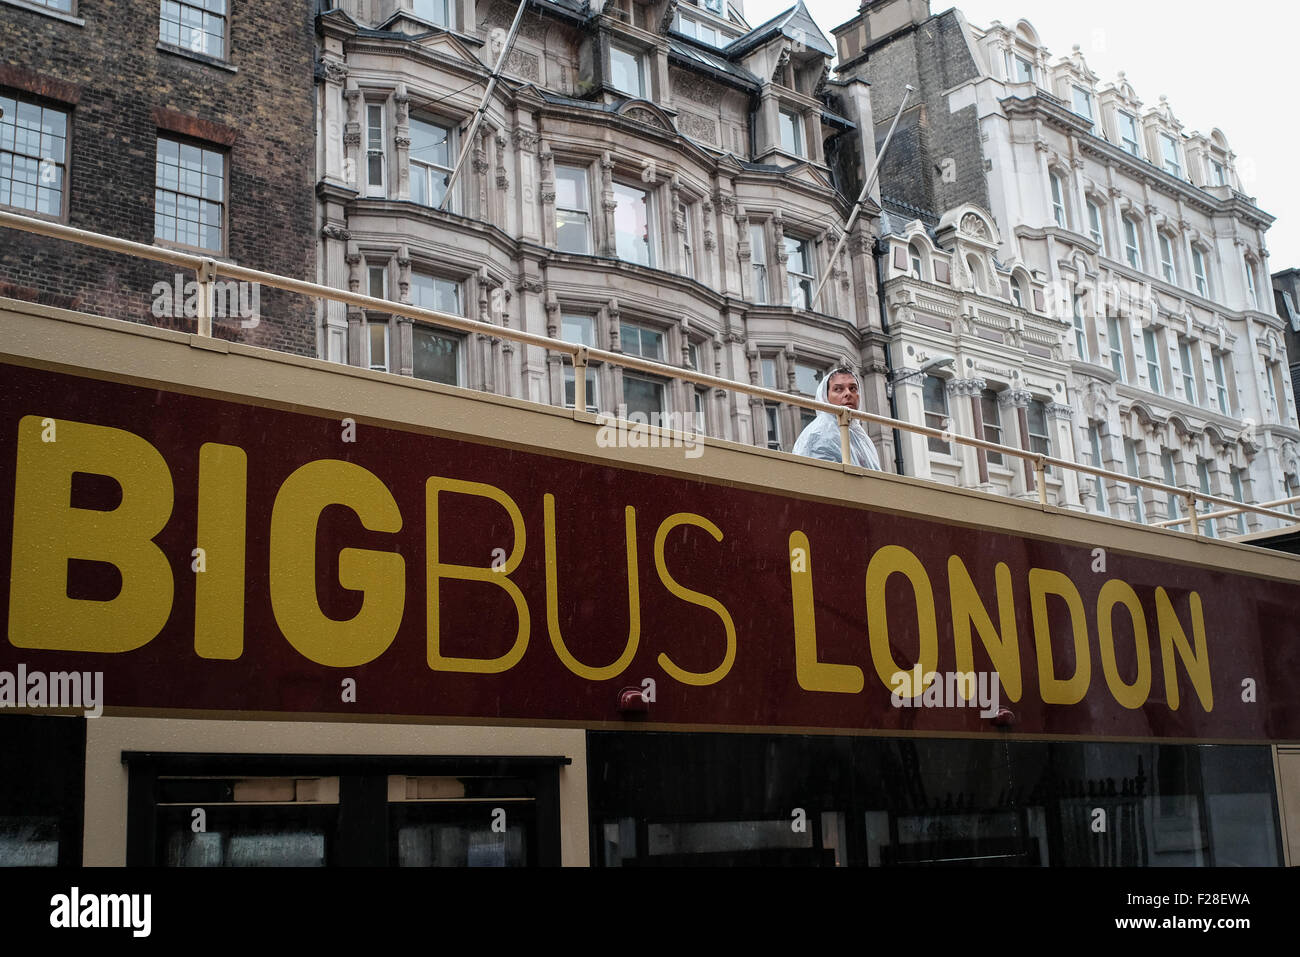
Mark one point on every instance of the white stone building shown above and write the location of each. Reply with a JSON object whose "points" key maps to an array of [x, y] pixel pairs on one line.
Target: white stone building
{"points": [[654, 178], [1151, 263]]}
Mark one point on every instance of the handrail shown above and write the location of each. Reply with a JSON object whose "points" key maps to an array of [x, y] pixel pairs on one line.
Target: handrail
{"points": [[207, 267]]}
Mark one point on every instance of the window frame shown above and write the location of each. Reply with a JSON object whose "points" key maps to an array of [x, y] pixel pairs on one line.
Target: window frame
{"points": [[376, 158], [796, 146], [1098, 483], [1190, 376], [449, 8], [431, 328], [1151, 347], [805, 281], [943, 416], [1039, 442], [1079, 322], [640, 328], [654, 381], [1132, 243], [652, 233], [67, 113], [758, 263], [1222, 394], [993, 428], [568, 375], [639, 58], [1131, 145], [1096, 227], [582, 193], [1076, 91], [427, 168], [203, 147], [1175, 502], [1238, 493], [1059, 211], [202, 6], [1200, 272], [1133, 469], [1203, 478], [1169, 263], [1171, 164], [1115, 345]]}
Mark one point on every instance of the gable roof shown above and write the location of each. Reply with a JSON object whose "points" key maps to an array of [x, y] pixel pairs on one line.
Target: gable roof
{"points": [[795, 23]]}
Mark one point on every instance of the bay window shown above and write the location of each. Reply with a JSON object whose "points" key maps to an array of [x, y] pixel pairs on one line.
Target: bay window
{"points": [[572, 210], [431, 160], [634, 237], [799, 271], [758, 259]]}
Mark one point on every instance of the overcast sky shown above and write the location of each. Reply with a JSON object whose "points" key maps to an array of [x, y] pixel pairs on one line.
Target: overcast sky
{"points": [[1233, 67]]}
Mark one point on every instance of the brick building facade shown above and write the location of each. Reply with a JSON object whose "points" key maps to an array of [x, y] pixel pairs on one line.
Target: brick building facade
{"points": [[188, 125]]}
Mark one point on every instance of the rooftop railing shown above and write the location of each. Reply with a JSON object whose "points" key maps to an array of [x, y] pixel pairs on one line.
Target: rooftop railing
{"points": [[208, 270]]}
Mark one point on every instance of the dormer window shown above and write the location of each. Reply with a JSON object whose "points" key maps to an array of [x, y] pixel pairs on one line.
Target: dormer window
{"points": [[437, 12], [1020, 69], [1128, 134], [716, 6], [627, 71], [1169, 153], [704, 32], [1083, 103], [791, 133], [1218, 173]]}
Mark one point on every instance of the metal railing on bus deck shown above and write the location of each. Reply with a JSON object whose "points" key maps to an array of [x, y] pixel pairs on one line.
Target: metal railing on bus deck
{"points": [[207, 269]]}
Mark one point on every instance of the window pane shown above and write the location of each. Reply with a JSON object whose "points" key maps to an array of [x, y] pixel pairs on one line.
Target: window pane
{"points": [[432, 292], [644, 396], [807, 378], [936, 412], [992, 416], [632, 225], [436, 356], [791, 138], [581, 329], [625, 71]]}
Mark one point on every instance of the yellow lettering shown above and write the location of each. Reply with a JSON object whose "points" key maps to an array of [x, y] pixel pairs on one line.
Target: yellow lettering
{"points": [[813, 675], [222, 531], [591, 673], [48, 532], [967, 610], [494, 574], [380, 576], [1054, 690], [1195, 662], [1116, 592], [887, 561], [695, 598]]}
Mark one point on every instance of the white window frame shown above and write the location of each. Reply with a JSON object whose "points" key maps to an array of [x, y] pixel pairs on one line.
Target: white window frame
{"points": [[1175, 501], [582, 194], [992, 423], [1128, 124], [569, 377], [1221, 383], [431, 329], [1098, 483], [1132, 243], [654, 381], [1095, 227], [1078, 94], [1252, 294], [201, 196], [638, 57], [1190, 376], [1203, 477], [1151, 346], [448, 12], [1116, 346], [1080, 324], [376, 159], [1218, 173], [1058, 200], [652, 237], [1170, 161], [633, 332], [936, 417], [688, 248], [1131, 465], [380, 326], [1039, 442], [1168, 261], [758, 261], [794, 143], [803, 282], [1238, 493], [185, 25], [42, 164], [1200, 272], [428, 171]]}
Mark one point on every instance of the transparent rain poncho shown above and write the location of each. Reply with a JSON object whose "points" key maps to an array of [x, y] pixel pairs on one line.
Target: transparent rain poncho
{"points": [[821, 438]]}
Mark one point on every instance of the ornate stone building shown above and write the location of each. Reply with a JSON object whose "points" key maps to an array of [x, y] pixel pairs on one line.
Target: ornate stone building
{"points": [[1123, 269], [655, 178]]}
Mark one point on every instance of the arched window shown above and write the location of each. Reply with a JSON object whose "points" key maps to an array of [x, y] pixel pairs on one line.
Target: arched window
{"points": [[976, 273], [1019, 290], [917, 259]]}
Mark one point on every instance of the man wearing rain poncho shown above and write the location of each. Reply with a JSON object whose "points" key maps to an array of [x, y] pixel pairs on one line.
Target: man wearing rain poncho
{"points": [[821, 438]]}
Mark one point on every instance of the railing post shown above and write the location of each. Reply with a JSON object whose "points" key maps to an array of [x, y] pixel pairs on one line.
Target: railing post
{"points": [[846, 449], [1191, 514], [206, 275], [580, 380], [1040, 477]]}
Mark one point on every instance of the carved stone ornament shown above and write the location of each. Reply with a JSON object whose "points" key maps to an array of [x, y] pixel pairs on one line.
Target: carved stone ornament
{"points": [[525, 139], [966, 386], [336, 71], [972, 225], [334, 231], [1015, 398]]}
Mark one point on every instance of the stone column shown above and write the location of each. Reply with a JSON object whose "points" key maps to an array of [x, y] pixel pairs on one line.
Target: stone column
{"points": [[1018, 401], [402, 142], [968, 419], [608, 245], [403, 359], [1061, 420]]}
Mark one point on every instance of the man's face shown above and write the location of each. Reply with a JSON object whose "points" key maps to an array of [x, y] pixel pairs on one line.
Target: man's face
{"points": [[843, 390]]}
